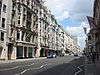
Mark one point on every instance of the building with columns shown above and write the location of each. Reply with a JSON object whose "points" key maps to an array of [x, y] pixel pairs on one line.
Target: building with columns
{"points": [[28, 29]]}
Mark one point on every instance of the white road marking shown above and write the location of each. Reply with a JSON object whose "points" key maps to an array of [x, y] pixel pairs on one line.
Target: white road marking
{"points": [[23, 71], [27, 65], [9, 68], [79, 69], [16, 67], [32, 69]]}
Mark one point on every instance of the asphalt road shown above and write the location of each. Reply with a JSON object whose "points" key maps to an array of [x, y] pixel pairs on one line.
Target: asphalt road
{"points": [[68, 65]]}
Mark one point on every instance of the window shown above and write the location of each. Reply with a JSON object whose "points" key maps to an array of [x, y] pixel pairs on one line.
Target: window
{"points": [[28, 37], [18, 35], [23, 33], [18, 21], [11, 31], [33, 38], [24, 10], [4, 8], [28, 2], [0, 5], [89, 37], [2, 36], [3, 22], [30, 50], [19, 17]]}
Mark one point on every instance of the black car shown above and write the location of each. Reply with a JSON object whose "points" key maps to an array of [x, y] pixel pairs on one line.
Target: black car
{"points": [[76, 54]]}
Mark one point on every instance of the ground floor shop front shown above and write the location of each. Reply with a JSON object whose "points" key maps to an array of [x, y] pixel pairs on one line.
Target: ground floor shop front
{"points": [[22, 51]]}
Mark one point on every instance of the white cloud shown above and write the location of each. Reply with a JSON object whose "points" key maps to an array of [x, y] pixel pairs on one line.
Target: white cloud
{"points": [[74, 30], [79, 31], [81, 41], [78, 9], [64, 15]]}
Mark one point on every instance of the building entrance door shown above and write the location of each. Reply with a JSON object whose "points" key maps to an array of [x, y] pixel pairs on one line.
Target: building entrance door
{"points": [[25, 52], [42, 52], [10, 49]]}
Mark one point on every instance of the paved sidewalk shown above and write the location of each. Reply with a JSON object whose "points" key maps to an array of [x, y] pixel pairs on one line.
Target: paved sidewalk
{"points": [[19, 60], [92, 69]]}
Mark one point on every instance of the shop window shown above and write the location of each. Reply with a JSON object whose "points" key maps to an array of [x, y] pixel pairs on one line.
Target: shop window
{"points": [[19, 51], [2, 36], [30, 51]]}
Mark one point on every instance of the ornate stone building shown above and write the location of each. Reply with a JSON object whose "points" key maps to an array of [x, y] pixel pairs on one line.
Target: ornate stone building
{"points": [[28, 29]]}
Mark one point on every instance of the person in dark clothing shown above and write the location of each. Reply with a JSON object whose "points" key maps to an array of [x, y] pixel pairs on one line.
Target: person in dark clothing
{"points": [[97, 56], [89, 56], [93, 57]]}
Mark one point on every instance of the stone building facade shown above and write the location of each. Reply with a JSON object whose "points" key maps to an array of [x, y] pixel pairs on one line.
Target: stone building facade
{"points": [[96, 31], [3, 28], [93, 37], [28, 29]]}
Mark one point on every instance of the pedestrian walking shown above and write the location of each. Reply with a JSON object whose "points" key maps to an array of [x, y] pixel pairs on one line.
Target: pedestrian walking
{"points": [[97, 56], [93, 57], [89, 56]]}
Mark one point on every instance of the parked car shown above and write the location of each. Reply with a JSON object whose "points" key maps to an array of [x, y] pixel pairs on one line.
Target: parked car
{"points": [[54, 55], [51, 56], [76, 54], [61, 55]]}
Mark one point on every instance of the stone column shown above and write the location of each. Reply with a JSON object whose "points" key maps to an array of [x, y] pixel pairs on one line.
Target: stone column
{"points": [[38, 52], [27, 52], [33, 52], [38, 38], [6, 52], [23, 51]]}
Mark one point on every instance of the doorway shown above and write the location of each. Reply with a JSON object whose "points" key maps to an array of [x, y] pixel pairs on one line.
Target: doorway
{"points": [[10, 50], [25, 52]]}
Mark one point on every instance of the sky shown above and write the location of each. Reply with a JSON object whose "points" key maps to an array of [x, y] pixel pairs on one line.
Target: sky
{"points": [[71, 15]]}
